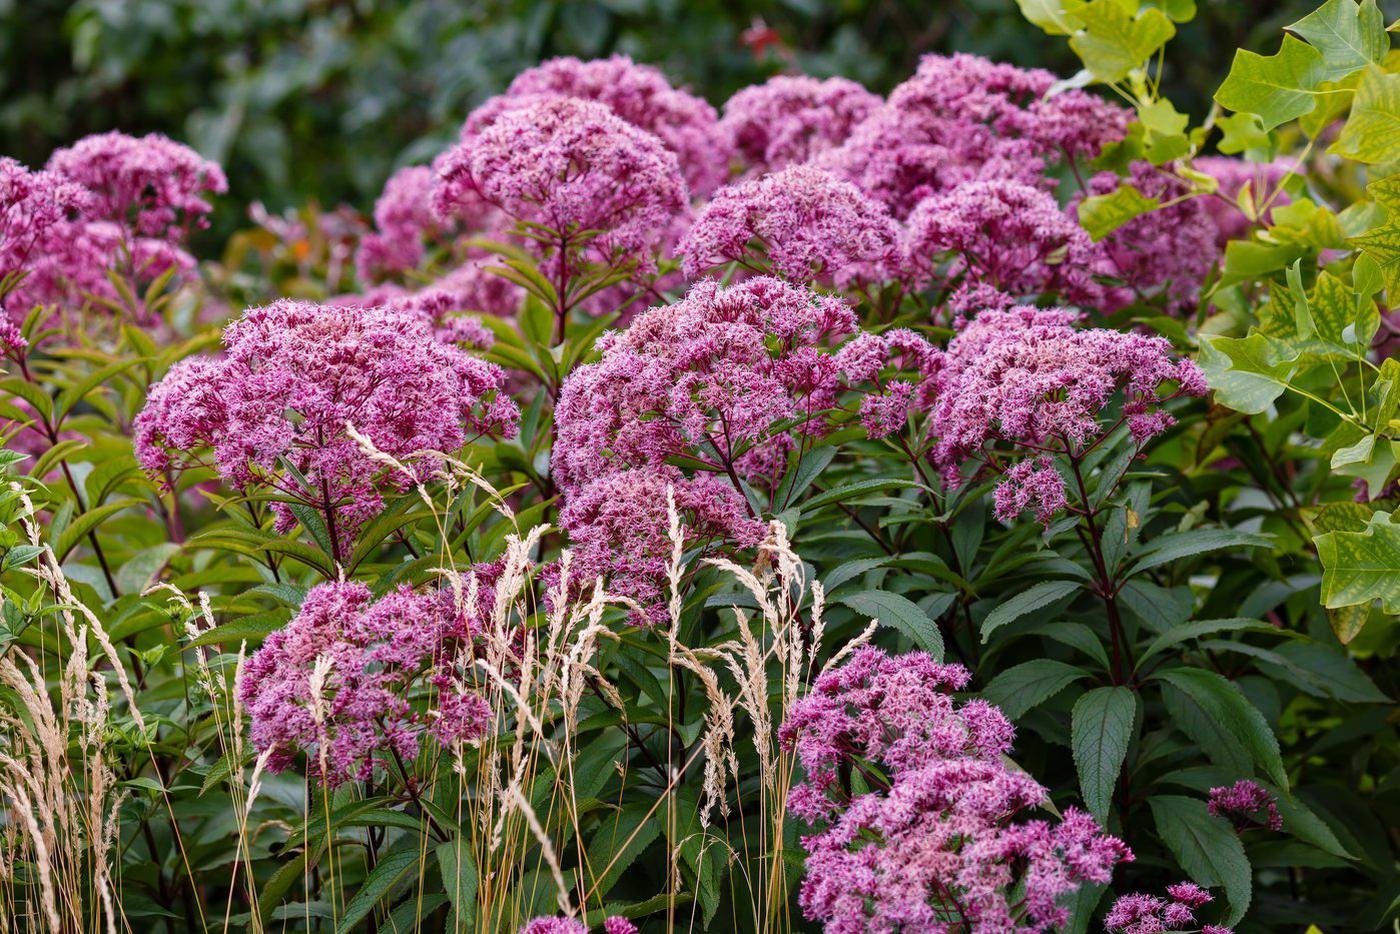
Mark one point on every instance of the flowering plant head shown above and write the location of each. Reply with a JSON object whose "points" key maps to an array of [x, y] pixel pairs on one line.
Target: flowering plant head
{"points": [[1028, 379], [614, 924], [35, 211], [640, 95], [1246, 805], [342, 681], [963, 118], [1148, 914], [802, 224], [1005, 235], [1165, 254], [276, 408], [933, 845], [791, 119], [404, 223], [724, 377], [578, 178]]}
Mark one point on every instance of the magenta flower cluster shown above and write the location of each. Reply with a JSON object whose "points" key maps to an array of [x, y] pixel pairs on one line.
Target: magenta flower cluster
{"points": [[276, 409], [802, 223], [109, 204], [934, 845], [638, 94], [574, 174], [726, 379], [1027, 379], [792, 119], [1246, 805], [1149, 914], [614, 924], [339, 683]]}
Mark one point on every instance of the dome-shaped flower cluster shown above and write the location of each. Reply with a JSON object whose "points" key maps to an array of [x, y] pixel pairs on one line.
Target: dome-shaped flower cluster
{"points": [[275, 409], [935, 845], [792, 119], [1027, 378], [340, 682], [802, 223]]}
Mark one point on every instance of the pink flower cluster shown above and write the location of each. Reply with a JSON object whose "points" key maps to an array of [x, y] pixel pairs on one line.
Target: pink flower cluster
{"points": [[576, 176], [933, 846], [275, 409], [109, 203], [340, 682], [35, 211], [1168, 252], [404, 223], [1004, 234], [615, 924], [1246, 805], [802, 223], [1149, 914], [725, 380], [1029, 379], [639, 94], [792, 119], [963, 118]]}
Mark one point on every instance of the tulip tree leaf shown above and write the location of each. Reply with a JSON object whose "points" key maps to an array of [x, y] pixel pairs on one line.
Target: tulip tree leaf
{"points": [[1359, 567], [1115, 40], [1349, 35], [1278, 87], [1100, 215], [1372, 132], [1245, 372]]}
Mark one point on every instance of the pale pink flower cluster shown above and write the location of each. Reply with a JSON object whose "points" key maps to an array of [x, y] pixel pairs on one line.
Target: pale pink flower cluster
{"points": [[1028, 379], [275, 409], [791, 119], [802, 223], [640, 95], [354, 683], [723, 380], [1149, 914], [934, 845], [1246, 805], [111, 203], [576, 177]]}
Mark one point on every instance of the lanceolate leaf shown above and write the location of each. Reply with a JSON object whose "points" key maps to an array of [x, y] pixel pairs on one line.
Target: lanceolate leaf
{"points": [[890, 609], [1210, 709], [1021, 687], [1101, 728], [1207, 848], [1033, 598]]}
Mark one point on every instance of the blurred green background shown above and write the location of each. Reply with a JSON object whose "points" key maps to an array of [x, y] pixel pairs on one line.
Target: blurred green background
{"points": [[321, 99]]}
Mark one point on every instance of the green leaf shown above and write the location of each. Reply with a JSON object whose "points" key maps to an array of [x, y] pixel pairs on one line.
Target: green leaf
{"points": [[1359, 567], [1115, 40], [1372, 132], [1382, 245], [1242, 132], [1204, 627], [1100, 215], [1174, 545], [1054, 17], [617, 844], [1199, 693], [1032, 598], [458, 870], [890, 609], [1021, 687], [251, 629], [855, 489], [393, 867], [85, 523], [1246, 373], [1277, 88], [1207, 848], [1349, 36], [1101, 728]]}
